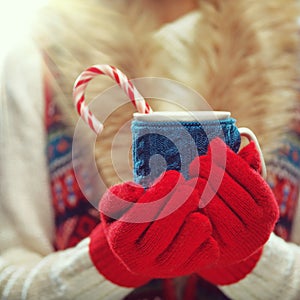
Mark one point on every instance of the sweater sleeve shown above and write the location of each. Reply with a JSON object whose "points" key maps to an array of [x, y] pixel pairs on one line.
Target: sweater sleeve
{"points": [[276, 276], [29, 267]]}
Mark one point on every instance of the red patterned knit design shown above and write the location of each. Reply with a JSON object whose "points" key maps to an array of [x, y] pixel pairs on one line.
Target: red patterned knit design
{"points": [[284, 178], [75, 217]]}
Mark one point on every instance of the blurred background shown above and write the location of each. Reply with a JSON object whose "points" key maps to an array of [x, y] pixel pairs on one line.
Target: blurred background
{"points": [[15, 19]]}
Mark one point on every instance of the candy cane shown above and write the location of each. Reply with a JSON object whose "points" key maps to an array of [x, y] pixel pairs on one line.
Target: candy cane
{"points": [[86, 76]]}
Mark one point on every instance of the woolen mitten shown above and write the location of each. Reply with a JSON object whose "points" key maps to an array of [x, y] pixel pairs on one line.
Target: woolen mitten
{"points": [[174, 241]]}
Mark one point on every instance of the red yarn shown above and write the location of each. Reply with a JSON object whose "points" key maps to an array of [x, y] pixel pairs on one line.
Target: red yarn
{"points": [[243, 211], [166, 247], [221, 275], [108, 264]]}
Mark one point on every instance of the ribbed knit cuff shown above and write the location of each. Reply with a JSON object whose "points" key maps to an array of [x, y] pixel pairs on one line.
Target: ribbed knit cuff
{"points": [[87, 283], [276, 275], [108, 264], [70, 274]]}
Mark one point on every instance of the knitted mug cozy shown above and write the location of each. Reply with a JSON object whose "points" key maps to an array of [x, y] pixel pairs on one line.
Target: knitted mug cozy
{"points": [[177, 143]]}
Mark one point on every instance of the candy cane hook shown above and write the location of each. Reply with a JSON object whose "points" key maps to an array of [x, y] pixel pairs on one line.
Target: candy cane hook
{"points": [[86, 76]]}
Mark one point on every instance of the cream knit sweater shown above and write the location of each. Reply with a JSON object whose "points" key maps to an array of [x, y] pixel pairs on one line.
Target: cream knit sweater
{"points": [[29, 267]]}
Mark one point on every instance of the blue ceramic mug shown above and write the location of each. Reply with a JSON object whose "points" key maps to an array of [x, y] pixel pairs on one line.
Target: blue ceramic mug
{"points": [[171, 140]]}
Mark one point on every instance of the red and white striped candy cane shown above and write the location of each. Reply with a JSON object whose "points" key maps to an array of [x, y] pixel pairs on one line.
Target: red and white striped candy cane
{"points": [[86, 76]]}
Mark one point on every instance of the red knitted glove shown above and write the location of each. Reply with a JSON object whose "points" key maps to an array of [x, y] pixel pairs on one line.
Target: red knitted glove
{"points": [[167, 247], [108, 264], [223, 275], [243, 210]]}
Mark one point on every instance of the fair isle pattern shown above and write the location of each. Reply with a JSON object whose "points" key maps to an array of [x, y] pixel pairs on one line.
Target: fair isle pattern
{"points": [[284, 178], [75, 217]]}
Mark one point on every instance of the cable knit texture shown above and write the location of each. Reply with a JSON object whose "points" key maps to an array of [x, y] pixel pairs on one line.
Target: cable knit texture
{"points": [[172, 141]]}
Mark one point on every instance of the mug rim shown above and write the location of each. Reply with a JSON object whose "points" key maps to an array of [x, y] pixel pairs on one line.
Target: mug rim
{"points": [[182, 115]]}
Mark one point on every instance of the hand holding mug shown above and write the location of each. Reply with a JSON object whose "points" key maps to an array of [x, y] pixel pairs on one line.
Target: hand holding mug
{"points": [[217, 239]]}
